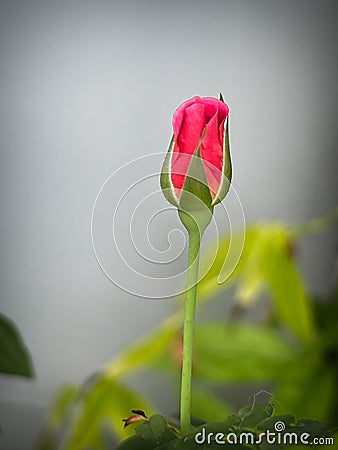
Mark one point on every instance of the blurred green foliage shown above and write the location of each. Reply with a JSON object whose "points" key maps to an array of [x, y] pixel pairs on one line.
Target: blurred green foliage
{"points": [[245, 430], [14, 356], [292, 353]]}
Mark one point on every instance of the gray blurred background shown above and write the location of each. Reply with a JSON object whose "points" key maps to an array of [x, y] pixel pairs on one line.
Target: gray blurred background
{"points": [[88, 86]]}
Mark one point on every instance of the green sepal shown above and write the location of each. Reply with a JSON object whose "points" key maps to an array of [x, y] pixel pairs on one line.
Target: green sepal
{"points": [[195, 194], [227, 168], [195, 204], [196, 221], [165, 180]]}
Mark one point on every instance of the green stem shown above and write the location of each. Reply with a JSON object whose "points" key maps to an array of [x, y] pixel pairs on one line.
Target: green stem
{"points": [[188, 333]]}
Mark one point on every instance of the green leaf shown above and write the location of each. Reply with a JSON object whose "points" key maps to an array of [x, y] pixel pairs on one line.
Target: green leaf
{"points": [[245, 427], [317, 225], [58, 412], [216, 265], [266, 242], [266, 262], [153, 428], [269, 423], [145, 350], [238, 352], [292, 303], [62, 403], [137, 443], [313, 427], [189, 443], [154, 433], [102, 404], [252, 280], [289, 431], [14, 356], [222, 426], [260, 240], [251, 415], [307, 387]]}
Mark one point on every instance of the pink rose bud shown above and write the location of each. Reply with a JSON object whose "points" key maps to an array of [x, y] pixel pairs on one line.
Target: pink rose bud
{"points": [[198, 160]]}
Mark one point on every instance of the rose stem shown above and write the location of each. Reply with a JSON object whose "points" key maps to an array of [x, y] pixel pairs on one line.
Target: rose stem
{"points": [[188, 332]]}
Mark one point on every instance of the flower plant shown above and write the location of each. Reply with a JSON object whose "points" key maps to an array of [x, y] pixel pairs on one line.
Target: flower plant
{"points": [[195, 177]]}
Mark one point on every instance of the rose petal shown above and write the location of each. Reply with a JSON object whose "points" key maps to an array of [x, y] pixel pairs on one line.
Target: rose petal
{"points": [[189, 121], [186, 142], [179, 114], [212, 153], [222, 108]]}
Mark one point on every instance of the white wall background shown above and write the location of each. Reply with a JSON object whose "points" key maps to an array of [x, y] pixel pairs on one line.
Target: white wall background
{"points": [[88, 86]]}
